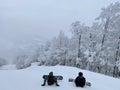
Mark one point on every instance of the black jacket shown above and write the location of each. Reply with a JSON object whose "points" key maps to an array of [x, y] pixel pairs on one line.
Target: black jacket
{"points": [[80, 81], [51, 80]]}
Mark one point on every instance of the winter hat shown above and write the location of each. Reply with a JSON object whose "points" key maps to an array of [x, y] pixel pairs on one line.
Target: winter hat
{"points": [[80, 74], [51, 73]]}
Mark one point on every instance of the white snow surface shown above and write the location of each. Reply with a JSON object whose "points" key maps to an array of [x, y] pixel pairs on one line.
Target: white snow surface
{"points": [[31, 79]]}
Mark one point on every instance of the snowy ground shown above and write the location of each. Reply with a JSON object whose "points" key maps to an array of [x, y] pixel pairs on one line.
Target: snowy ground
{"points": [[31, 79]]}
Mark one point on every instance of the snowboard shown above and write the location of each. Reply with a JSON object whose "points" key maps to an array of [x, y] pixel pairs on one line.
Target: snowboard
{"points": [[86, 84], [58, 77]]}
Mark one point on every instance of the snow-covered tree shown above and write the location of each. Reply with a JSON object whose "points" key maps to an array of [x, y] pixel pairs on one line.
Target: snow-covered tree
{"points": [[116, 70], [107, 19], [22, 62], [78, 29], [60, 42], [59, 47]]}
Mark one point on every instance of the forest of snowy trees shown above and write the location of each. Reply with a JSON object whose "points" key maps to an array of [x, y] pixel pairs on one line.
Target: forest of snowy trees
{"points": [[95, 48]]}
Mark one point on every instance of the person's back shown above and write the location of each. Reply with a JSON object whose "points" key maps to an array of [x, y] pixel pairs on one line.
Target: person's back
{"points": [[80, 80], [50, 80]]}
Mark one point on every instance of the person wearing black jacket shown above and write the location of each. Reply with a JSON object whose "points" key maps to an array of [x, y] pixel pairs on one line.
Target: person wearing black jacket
{"points": [[50, 79], [80, 80]]}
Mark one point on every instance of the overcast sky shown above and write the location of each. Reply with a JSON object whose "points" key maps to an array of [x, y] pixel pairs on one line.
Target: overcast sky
{"points": [[22, 21]]}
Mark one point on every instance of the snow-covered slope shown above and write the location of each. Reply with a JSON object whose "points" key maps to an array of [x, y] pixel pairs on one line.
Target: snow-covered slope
{"points": [[31, 79]]}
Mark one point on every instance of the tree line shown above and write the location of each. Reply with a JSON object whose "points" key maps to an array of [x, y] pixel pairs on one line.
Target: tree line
{"points": [[95, 48]]}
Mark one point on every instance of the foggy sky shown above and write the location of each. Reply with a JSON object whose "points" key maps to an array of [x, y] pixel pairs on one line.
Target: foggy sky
{"points": [[22, 21]]}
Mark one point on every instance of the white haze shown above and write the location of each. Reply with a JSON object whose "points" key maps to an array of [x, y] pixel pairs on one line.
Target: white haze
{"points": [[25, 21]]}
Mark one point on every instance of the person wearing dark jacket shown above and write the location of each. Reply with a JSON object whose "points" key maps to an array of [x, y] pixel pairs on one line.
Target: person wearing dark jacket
{"points": [[80, 80], [50, 79]]}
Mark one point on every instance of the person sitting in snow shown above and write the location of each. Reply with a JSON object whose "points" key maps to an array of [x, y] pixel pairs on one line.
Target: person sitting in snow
{"points": [[50, 79], [80, 80]]}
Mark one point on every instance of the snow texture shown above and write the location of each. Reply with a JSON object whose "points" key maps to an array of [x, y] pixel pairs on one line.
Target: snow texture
{"points": [[31, 79]]}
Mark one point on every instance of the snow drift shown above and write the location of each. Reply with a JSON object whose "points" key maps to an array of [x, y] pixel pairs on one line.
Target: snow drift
{"points": [[31, 79]]}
